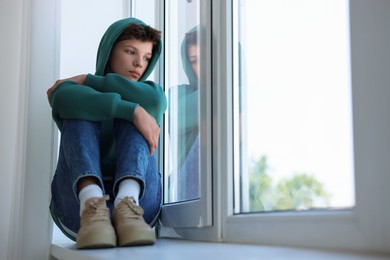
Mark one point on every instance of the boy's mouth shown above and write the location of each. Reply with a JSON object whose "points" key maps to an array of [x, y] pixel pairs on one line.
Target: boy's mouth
{"points": [[135, 74]]}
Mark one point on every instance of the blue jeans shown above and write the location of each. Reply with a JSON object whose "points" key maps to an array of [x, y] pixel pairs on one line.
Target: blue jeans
{"points": [[189, 175], [80, 156]]}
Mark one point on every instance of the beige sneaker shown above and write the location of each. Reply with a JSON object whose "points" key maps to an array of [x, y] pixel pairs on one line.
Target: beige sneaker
{"points": [[130, 226], [96, 230]]}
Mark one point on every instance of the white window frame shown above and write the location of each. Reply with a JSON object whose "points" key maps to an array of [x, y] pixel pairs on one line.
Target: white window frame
{"points": [[363, 228]]}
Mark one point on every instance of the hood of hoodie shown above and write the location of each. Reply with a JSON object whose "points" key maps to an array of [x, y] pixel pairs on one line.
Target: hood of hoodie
{"points": [[192, 79], [108, 40]]}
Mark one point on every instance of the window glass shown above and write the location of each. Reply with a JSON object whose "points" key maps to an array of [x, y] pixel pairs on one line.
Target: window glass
{"points": [[182, 37], [294, 112]]}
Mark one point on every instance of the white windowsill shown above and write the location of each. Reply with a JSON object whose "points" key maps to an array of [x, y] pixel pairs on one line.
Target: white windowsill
{"points": [[171, 249]]}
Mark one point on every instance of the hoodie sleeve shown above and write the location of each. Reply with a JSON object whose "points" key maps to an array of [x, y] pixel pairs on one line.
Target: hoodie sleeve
{"points": [[184, 104], [147, 94], [73, 101]]}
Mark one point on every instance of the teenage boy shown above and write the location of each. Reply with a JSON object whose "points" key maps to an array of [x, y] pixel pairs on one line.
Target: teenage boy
{"points": [[109, 125]]}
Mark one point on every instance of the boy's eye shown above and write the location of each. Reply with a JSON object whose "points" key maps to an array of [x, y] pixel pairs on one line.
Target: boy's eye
{"points": [[147, 59], [194, 62], [130, 52]]}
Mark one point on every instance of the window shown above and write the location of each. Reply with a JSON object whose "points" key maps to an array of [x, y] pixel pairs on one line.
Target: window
{"points": [[187, 178], [294, 108], [359, 70], [221, 215], [182, 181]]}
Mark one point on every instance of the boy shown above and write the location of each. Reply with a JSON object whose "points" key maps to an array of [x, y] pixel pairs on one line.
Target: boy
{"points": [[109, 125]]}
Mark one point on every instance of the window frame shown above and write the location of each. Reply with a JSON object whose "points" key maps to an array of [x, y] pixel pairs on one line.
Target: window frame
{"points": [[362, 228]]}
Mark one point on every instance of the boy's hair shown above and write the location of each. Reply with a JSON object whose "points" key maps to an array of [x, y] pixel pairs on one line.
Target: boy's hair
{"points": [[140, 32], [191, 38]]}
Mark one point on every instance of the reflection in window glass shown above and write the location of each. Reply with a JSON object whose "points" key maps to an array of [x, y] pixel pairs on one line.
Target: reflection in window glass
{"points": [[182, 179], [295, 106]]}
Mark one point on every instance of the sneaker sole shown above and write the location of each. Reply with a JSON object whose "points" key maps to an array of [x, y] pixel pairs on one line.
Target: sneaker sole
{"points": [[137, 239], [93, 241]]}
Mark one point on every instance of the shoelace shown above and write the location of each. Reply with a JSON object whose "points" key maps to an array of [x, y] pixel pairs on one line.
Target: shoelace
{"points": [[135, 210], [96, 210]]}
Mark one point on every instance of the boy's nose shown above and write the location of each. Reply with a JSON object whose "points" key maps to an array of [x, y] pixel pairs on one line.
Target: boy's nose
{"points": [[137, 63]]}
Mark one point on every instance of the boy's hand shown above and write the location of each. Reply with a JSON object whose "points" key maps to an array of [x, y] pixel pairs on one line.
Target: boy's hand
{"points": [[79, 79], [147, 126]]}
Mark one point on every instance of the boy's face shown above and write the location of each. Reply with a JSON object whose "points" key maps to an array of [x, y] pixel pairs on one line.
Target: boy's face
{"points": [[130, 58], [193, 57]]}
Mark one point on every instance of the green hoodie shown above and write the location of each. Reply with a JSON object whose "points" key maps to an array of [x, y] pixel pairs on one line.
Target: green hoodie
{"points": [[106, 97]]}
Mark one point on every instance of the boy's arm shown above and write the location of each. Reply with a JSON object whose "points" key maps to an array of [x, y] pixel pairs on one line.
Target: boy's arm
{"points": [[80, 79], [147, 94], [70, 100]]}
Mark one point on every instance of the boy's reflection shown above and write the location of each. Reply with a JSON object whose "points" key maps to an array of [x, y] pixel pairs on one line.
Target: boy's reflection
{"points": [[187, 103]]}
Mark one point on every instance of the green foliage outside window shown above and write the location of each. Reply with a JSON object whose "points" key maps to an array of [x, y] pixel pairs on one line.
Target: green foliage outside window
{"points": [[299, 192]]}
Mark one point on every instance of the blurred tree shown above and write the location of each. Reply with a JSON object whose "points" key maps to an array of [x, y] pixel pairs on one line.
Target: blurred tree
{"points": [[299, 192], [260, 183]]}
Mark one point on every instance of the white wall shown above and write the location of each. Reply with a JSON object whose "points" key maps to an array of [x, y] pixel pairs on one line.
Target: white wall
{"points": [[29, 51], [10, 52], [81, 32], [43, 71]]}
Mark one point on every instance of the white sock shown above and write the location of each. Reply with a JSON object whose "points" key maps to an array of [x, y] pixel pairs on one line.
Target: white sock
{"points": [[127, 188], [90, 191]]}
